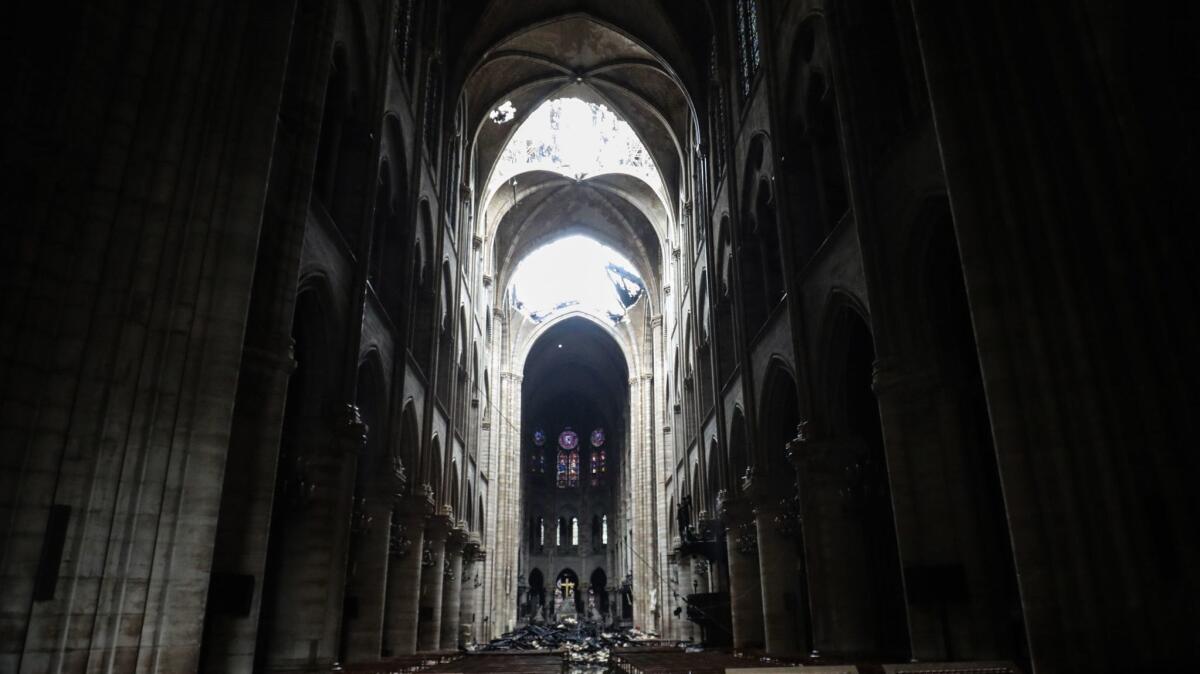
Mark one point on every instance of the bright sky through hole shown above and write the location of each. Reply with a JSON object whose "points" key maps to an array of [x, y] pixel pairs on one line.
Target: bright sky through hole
{"points": [[574, 138], [575, 271]]}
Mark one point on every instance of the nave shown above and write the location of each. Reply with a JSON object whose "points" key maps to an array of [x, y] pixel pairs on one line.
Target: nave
{"points": [[354, 335]]}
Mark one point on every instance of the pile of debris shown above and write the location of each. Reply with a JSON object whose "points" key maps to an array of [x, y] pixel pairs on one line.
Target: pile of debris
{"points": [[580, 641]]}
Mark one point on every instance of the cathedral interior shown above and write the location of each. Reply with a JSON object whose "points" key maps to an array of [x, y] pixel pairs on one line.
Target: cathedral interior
{"points": [[843, 335]]}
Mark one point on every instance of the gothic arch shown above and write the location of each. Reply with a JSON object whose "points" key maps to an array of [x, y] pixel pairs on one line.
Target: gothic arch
{"points": [[408, 446], [300, 514], [433, 471], [875, 608], [739, 450], [779, 414], [716, 479]]}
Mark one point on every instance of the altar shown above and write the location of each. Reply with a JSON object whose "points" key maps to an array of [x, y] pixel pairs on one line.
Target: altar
{"points": [[564, 599]]}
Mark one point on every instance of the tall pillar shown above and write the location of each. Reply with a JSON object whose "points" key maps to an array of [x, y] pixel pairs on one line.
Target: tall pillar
{"points": [[745, 591], [452, 587], [778, 572], [249, 491], [366, 580], [671, 598], [429, 615], [404, 572], [472, 585], [843, 576], [684, 565], [1099, 492]]}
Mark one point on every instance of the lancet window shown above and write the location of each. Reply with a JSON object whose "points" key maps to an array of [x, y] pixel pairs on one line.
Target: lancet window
{"points": [[599, 466], [749, 51], [567, 469]]}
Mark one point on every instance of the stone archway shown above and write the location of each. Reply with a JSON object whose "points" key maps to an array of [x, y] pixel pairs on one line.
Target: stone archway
{"points": [[598, 591]]}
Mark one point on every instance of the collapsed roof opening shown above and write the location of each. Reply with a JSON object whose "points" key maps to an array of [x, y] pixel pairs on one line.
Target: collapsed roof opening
{"points": [[577, 139], [575, 272]]}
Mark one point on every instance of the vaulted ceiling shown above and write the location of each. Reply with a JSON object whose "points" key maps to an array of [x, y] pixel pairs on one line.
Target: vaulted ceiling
{"points": [[632, 56]]}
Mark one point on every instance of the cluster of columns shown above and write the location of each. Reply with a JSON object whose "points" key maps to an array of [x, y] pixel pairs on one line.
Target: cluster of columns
{"points": [[431, 575], [767, 599]]}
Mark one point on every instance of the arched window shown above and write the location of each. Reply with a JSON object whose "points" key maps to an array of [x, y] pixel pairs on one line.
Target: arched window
{"points": [[604, 530], [574, 531], [558, 532], [599, 457], [402, 35], [541, 531], [567, 468], [749, 53], [716, 113]]}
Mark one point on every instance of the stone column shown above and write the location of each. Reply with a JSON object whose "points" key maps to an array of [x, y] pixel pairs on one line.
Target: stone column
{"points": [[452, 587], [471, 584], [777, 568], [671, 598], [404, 571], [367, 577], [502, 605], [686, 626], [429, 615], [839, 572], [249, 491], [745, 591]]}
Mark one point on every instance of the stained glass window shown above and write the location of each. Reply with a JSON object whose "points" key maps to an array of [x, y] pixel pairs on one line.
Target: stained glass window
{"points": [[574, 531], [402, 34], [537, 461], [604, 530], [749, 53], [599, 466], [567, 470], [716, 110], [568, 439]]}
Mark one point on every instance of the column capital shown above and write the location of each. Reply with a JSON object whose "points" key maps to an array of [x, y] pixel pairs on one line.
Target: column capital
{"points": [[456, 539], [348, 428], [755, 488], [421, 495], [889, 377], [387, 479], [278, 355], [471, 549], [480, 554], [824, 458], [438, 528], [733, 510]]}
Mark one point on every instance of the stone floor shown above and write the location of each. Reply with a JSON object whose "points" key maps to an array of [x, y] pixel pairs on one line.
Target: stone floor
{"points": [[542, 663]]}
